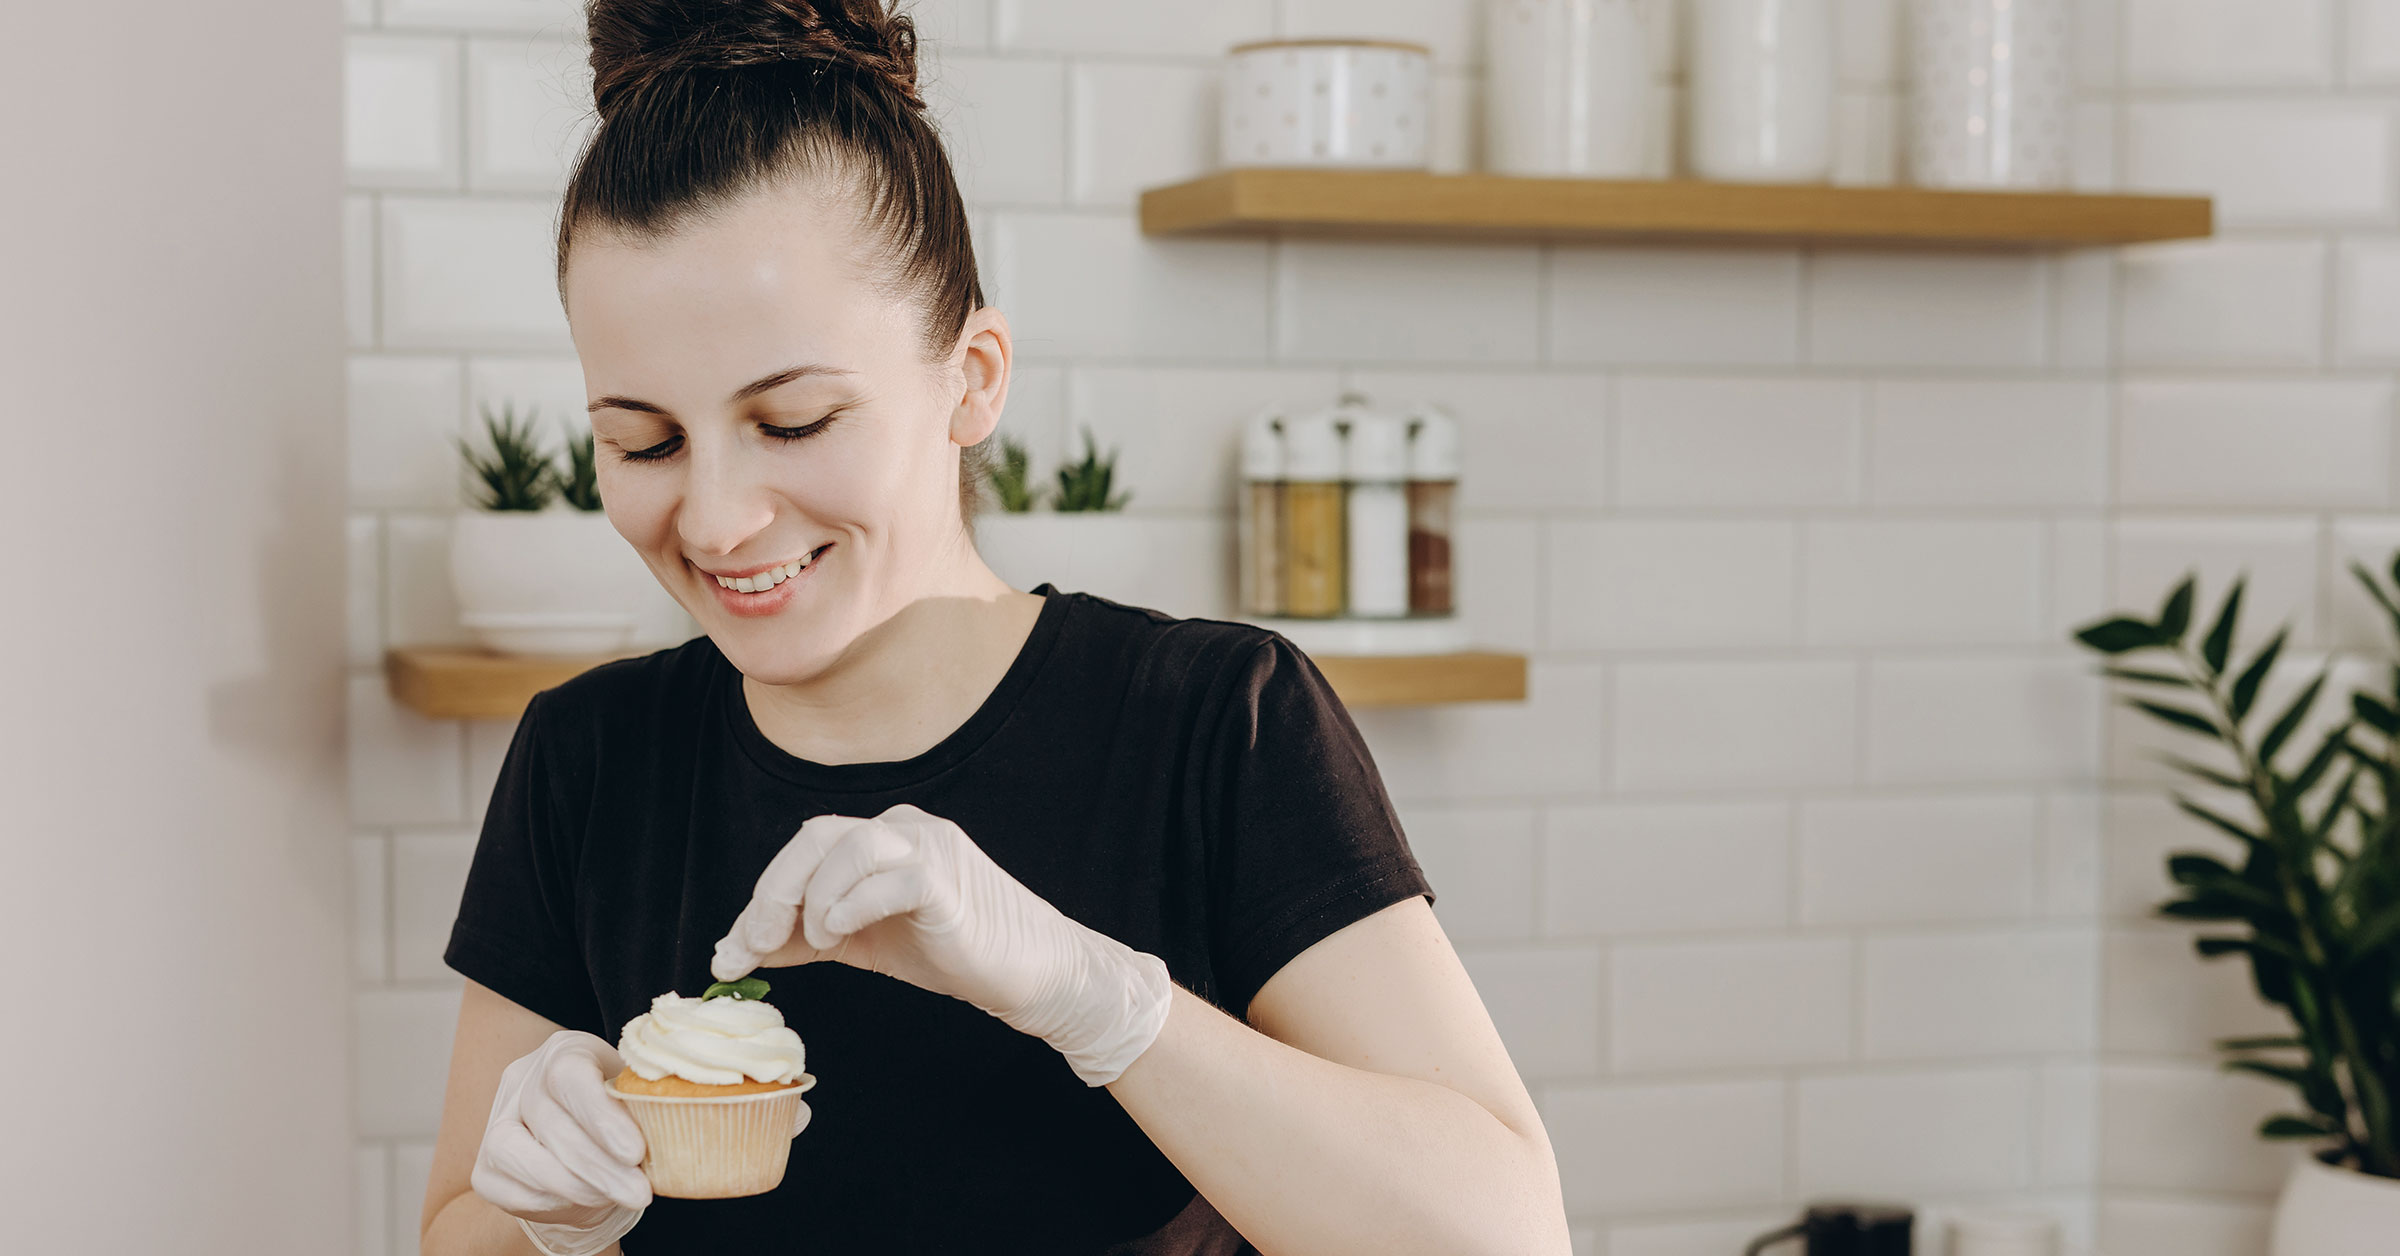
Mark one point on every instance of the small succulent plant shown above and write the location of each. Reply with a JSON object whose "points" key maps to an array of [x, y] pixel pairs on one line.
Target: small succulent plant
{"points": [[579, 482], [517, 475], [1084, 485], [1010, 479]]}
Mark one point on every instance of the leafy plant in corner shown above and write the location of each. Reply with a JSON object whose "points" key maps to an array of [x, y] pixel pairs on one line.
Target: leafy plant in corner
{"points": [[1009, 479], [579, 483], [1084, 485], [517, 475], [2312, 899]]}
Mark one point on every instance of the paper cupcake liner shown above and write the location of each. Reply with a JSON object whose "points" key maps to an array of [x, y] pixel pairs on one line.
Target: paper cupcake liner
{"points": [[716, 1148]]}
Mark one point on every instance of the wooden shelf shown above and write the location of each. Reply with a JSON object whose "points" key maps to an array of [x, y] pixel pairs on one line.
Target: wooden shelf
{"points": [[468, 684], [1381, 204]]}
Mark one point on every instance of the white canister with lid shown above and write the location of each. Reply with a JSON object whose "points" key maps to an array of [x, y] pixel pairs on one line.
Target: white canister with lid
{"points": [[1358, 103], [1567, 88], [1375, 472], [1762, 90]]}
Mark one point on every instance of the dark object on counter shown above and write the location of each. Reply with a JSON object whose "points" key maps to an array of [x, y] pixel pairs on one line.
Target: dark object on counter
{"points": [[1846, 1229]]}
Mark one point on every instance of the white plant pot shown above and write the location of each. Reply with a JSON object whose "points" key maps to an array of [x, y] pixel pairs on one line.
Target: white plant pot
{"points": [[2327, 1211], [557, 581]]}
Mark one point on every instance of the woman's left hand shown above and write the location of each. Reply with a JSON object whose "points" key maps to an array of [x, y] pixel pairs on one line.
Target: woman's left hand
{"points": [[908, 894]]}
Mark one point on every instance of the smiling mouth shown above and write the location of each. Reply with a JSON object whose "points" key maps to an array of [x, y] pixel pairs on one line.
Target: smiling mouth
{"points": [[772, 576]]}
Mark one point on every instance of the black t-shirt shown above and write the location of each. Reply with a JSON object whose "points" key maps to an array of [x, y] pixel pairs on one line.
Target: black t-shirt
{"points": [[1190, 787]]}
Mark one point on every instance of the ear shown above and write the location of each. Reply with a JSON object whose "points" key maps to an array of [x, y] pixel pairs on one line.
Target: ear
{"points": [[983, 356]]}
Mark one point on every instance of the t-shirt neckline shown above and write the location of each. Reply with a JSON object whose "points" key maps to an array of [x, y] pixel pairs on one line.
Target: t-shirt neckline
{"points": [[862, 778]]}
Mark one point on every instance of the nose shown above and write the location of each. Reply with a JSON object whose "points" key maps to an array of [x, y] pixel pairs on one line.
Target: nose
{"points": [[724, 503]]}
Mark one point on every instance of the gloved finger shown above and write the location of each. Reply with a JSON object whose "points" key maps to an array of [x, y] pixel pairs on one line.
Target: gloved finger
{"points": [[800, 1121], [766, 922], [880, 896], [869, 849], [520, 1176], [577, 1148], [578, 1080]]}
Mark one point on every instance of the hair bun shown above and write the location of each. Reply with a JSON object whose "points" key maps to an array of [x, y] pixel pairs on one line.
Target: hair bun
{"points": [[635, 42]]}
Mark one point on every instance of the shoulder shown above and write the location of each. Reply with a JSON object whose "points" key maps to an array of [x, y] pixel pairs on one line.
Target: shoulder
{"points": [[642, 691], [1195, 661]]}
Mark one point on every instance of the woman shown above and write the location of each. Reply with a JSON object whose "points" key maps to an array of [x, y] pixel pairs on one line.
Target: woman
{"points": [[1097, 924]]}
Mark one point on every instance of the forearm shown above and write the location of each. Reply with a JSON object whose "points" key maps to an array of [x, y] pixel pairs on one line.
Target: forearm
{"points": [[470, 1226], [1307, 1157]]}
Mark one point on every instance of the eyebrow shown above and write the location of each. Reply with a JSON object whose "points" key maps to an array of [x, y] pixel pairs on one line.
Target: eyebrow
{"points": [[762, 384]]}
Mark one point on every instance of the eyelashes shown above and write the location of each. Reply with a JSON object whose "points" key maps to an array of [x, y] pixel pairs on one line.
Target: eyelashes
{"points": [[667, 447]]}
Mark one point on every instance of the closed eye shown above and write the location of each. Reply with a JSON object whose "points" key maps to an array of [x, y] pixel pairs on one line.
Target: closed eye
{"points": [[802, 432]]}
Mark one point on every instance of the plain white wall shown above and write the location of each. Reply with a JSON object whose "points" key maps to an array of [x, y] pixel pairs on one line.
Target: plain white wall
{"points": [[172, 867]]}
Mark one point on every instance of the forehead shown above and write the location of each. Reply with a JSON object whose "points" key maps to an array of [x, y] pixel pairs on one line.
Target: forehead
{"points": [[774, 276]]}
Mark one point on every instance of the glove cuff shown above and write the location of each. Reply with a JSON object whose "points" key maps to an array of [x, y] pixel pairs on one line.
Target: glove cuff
{"points": [[560, 1240], [1106, 1012]]}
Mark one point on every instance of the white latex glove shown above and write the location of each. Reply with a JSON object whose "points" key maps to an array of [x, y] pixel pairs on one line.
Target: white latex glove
{"points": [[561, 1154], [558, 1153], [908, 894]]}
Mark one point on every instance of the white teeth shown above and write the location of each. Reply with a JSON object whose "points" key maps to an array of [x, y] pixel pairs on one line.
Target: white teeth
{"points": [[767, 579]]}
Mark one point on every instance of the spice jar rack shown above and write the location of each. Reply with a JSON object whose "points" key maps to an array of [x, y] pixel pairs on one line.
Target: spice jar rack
{"points": [[1345, 531]]}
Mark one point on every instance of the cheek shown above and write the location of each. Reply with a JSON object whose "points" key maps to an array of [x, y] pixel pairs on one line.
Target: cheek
{"points": [[637, 503]]}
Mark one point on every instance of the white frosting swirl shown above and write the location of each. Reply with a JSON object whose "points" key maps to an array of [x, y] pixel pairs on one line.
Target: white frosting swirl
{"points": [[715, 1042]]}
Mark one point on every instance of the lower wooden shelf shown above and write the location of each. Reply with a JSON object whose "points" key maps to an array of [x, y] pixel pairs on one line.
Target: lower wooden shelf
{"points": [[455, 683]]}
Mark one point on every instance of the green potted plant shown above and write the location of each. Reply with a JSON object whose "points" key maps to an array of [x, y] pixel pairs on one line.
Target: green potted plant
{"points": [[1084, 542], [2304, 887], [534, 564]]}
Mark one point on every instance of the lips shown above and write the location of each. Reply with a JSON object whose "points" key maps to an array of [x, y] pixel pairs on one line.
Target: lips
{"points": [[763, 580]]}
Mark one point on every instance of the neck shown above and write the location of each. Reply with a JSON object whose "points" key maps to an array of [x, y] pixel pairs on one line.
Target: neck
{"points": [[908, 682]]}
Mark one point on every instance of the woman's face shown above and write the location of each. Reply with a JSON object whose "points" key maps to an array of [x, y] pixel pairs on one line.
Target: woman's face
{"points": [[762, 407]]}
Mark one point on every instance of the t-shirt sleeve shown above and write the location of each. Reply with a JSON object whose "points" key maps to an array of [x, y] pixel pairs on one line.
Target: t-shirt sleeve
{"points": [[1305, 840], [515, 931]]}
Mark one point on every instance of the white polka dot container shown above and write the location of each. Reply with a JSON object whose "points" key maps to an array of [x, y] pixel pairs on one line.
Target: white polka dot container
{"points": [[1327, 102], [1992, 94]]}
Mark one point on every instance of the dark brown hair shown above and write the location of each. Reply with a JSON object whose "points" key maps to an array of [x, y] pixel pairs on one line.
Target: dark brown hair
{"points": [[702, 100]]}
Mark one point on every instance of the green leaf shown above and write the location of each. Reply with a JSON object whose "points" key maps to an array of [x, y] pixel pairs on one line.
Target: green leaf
{"points": [[2245, 686], [2375, 714], [2314, 770], [2137, 676], [2376, 934], [2176, 716], [2176, 615], [2220, 637], [2289, 1074], [2366, 580], [2277, 948], [2212, 910], [2119, 636], [2283, 727], [752, 988], [2223, 780], [2286, 1127], [2198, 870], [2196, 810], [2260, 1044]]}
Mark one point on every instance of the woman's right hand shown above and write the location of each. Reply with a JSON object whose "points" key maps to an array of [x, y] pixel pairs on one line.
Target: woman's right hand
{"points": [[559, 1153]]}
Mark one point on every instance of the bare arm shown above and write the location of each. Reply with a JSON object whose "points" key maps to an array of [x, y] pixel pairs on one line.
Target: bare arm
{"points": [[1373, 1109], [492, 1031]]}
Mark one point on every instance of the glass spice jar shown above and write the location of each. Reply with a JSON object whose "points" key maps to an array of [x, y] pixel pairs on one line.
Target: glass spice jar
{"points": [[1313, 550], [1433, 463]]}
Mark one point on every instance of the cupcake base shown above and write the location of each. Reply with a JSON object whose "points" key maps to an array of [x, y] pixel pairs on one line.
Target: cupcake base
{"points": [[719, 1146]]}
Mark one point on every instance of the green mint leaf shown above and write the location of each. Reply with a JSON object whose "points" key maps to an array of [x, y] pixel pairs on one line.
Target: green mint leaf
{"points": [[746, 988]]}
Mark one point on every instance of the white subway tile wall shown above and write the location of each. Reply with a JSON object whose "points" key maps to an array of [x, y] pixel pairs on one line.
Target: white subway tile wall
{"points": [[1812, 865]]}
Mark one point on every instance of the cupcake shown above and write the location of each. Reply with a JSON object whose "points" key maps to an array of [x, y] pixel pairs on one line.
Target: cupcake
{"points": [[715, 1084]]}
